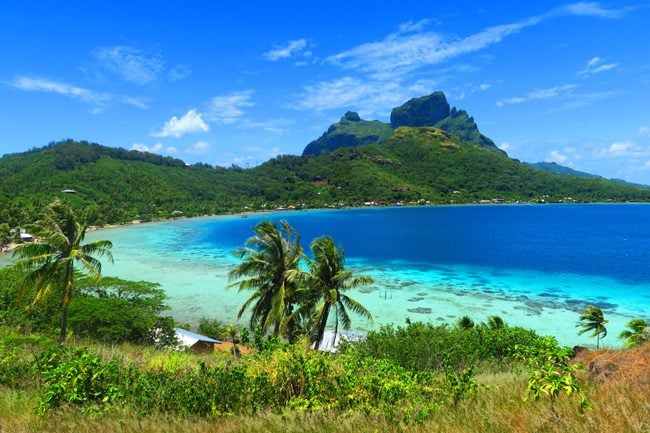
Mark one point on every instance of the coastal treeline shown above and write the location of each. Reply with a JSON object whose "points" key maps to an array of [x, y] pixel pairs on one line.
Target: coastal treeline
{"points": [[414, 166]]}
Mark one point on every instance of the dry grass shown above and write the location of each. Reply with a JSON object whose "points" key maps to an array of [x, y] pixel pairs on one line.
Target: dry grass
{"points": [[617, 386], [617, 406]]}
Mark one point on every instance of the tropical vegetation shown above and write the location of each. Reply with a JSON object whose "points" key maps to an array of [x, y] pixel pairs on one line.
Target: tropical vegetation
{"points": [[593, 320], [287, 300], [51, 261], [414, 165], [327, 282], [638, 333], [269, 267]]}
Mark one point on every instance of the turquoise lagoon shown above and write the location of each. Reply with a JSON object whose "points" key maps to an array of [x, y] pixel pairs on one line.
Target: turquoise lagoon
{"points": [[536, 266]]}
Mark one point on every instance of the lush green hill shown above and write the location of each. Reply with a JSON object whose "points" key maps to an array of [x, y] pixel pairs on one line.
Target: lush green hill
{"points": [[553, 167], [414, 165], [429, 164], [350, 131]]}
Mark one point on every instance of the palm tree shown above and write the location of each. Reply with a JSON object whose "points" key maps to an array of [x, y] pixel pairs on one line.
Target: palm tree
{"points": [[640, 332], [269, 267], [51, 262], [495, 322], [593, 320], [465, 322], [326, 281]]}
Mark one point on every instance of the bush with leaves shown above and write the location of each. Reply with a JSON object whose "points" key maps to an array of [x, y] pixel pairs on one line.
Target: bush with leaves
{"points": [[77, 377], [551, 374], [422, 346], [115, 310]]}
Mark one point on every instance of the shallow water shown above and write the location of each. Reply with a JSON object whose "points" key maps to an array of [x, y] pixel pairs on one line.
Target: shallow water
{"points": [[535, 266]]}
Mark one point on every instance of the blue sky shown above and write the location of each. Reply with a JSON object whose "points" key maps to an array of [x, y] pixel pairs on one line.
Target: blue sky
{"points": [[222, 83]]}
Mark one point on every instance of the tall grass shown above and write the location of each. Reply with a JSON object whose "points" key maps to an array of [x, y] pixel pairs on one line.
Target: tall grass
{"points": [[617, 406]]}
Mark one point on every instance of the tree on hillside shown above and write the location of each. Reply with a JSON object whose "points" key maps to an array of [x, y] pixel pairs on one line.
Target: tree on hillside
{"points": [[269, 267], [51, 262], [465, 322], [638, 334], [326, 282], [495, 322], [593, 320]]}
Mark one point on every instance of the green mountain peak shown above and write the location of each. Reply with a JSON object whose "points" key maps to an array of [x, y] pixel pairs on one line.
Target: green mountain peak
{"points": [[430, 110]]}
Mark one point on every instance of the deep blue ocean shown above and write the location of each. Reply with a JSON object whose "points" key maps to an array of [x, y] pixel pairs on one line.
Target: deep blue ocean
{"points": [[608, 240]]}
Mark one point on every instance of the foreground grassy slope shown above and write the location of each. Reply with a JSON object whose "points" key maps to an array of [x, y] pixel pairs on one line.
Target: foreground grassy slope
{"points": [[616, 385]]}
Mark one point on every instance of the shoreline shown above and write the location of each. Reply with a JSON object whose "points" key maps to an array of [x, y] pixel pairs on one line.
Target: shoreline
{"points": [[8, 248]]}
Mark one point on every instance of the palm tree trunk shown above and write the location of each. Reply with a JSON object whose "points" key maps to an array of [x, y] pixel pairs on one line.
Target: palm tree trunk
{"points": [[66, 303], [597, 341], [336, 323], [322, 323]]}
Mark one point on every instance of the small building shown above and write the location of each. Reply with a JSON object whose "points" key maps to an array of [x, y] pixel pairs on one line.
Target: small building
{"points": [[25, 237], [196, 342], [331, 341]]}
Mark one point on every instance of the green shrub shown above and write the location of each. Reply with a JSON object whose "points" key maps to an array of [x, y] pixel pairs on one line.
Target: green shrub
{"points": [[426, 347]]}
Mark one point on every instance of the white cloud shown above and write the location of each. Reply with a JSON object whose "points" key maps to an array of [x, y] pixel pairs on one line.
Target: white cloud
{"points": [[200, 147], [536, 95], [190, 122], [643, 131], [131, 64], [625, 149], [620, 148], [409, 54], [275, 126], [485, 86], [156, 148], [365, 96], [248, 155], [399, 54], [228, 108], [556, 156], [414, 26], [179, 72], [283, 52], [594, 9], [99, 100], [505, 146], [596, 65]]}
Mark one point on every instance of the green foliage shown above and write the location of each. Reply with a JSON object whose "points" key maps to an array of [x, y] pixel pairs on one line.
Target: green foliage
{"points": [[461, 125], [212, 328], [115, 310], [465, 322], [593, 320], [77, 377], [553, 167], [16, 307], [350, 131], [551, 374], [413, 164], [51, 262], [638, 333], [325, 285], [427, 347], [423, 111], [269, 264], [462, 385]]}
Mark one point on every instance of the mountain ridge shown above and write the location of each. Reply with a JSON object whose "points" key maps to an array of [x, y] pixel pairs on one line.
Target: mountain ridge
{"points": [[414, 165], [430, 110]]}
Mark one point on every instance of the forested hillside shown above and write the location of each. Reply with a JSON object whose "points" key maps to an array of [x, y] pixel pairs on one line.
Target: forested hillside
{"points": [[414, 165]]}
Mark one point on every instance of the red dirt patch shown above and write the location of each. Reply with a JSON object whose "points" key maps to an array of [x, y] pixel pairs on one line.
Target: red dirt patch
{"points": [[629, 365]]}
